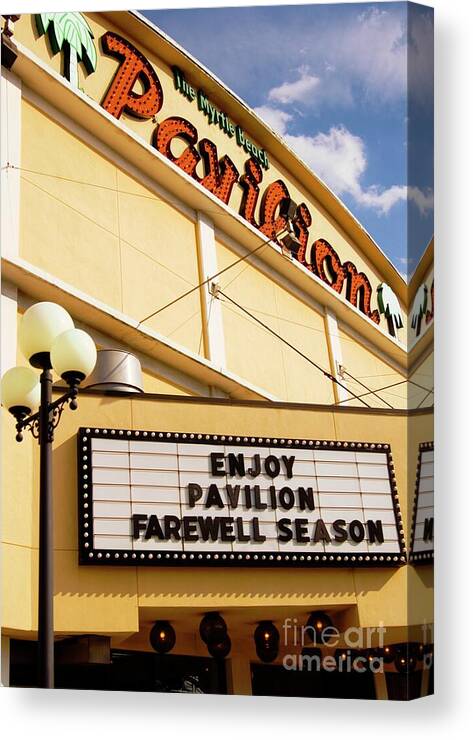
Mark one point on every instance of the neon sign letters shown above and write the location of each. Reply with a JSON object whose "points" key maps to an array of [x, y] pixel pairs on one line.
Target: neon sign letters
{"points": [[260, 208]]}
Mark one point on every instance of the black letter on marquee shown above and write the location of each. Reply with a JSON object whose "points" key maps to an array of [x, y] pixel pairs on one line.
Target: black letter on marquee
{"points": [[189, 524], [226, 529], [209, 527], [194, 493], [357, 530], [213, 497], [340, 531], [375, 530], [233, 495], [321, 532], [154, 528], [139, 524], [301, 530], [236, 464], [285, 532], [272, 466], [255, 470], [289, 463], [306, 498], [258, 504], [286, 498], [241, 536], [429, 529], [257, 537], [217, 463], [172, 525]]}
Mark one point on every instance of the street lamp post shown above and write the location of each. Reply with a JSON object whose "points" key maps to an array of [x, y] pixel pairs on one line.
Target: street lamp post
{"points": [[49, 341]]}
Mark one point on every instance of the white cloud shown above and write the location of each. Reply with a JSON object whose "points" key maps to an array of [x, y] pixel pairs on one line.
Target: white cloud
{"points": [[374, 52], [407, 265], [380, 199], [299, 91], [365, 58], [421, 56], [277, 119], [424, 199], [368, 57], [339, 159]]}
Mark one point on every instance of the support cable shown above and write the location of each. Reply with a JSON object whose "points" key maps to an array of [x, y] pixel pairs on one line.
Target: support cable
{"points": [[326, 373], [370, 391], [209, 279]]}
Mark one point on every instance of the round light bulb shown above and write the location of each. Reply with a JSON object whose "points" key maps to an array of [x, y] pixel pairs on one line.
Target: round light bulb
{"points": [[21, 390], [39, 327], [73, 355]]}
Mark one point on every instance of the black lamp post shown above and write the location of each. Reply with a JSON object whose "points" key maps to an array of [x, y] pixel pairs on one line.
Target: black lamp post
{"points": [[48, 340]]}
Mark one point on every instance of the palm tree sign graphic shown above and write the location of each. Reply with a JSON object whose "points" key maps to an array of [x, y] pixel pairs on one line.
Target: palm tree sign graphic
{"points": [[70, 33], [388, 305]]}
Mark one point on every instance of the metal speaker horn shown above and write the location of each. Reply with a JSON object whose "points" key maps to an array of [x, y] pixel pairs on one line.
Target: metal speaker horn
{"points": [[117, 371]]}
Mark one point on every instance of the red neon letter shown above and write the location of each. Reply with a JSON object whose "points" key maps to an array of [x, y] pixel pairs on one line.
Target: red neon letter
{"points": [[220, 176], [301, 225], [133, 67], [359, 291], [170, 129], [272, 199], [250, 184], [326, 265]]}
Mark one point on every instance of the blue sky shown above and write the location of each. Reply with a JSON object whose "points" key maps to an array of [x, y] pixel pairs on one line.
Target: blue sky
{"points": [[349, 87]]}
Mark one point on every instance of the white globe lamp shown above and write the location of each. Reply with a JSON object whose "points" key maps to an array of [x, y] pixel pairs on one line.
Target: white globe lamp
{"points": [[41, 324], [21, 391], [73, 355]]}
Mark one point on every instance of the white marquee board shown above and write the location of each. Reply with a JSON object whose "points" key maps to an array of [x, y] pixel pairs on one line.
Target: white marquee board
{"points": [[163, 498], [422, 540]]}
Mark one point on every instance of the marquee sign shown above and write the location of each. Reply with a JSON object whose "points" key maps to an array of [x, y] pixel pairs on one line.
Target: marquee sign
{"points": [[165, 498], [422, 537]]}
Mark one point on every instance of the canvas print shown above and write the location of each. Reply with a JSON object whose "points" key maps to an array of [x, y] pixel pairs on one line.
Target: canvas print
{"points": [[217, 312]]}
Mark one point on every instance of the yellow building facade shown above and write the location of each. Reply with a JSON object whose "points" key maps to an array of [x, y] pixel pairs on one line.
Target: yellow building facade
{"points": [[149, 201]]}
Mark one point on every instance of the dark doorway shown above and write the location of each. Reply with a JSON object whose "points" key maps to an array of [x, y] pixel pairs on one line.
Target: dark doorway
{"points": [[132, 671], [127, 671], [404, 687], [269, 680]]}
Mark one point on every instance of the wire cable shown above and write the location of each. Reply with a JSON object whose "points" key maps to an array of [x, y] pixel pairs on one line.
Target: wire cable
{"points": [[392, 385], [161, 197], [424, 398], [209, 279], [298, 351], [213, 277], [370, 391]]}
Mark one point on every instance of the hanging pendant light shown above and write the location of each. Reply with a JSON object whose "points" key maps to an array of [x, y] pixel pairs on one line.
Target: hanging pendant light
{"points": [[266, 638], [162, 637]]}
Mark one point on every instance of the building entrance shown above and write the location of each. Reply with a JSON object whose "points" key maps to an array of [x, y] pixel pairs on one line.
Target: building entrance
{"points": [[126, 671], [275, 680]]}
